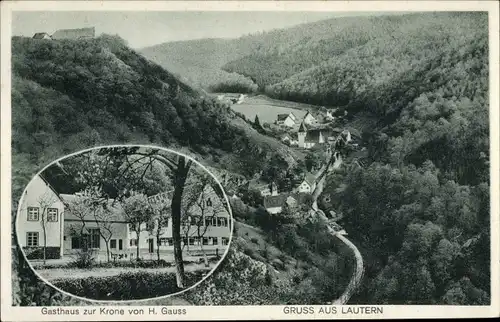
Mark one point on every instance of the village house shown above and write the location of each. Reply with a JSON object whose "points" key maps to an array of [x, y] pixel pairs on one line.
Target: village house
{"points": [[44, 212], [41, 213], [42, 35], [329, 116], [81, 33], [232, 98], [274, 204], [287, 120], [308, 184], [309, 119], [308, 138]]}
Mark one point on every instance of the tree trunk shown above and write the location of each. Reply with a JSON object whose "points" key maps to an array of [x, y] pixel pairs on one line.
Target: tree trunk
{"points": [[44, 244], [158, 244], [107, 250], [180, 177], [138, 233]]}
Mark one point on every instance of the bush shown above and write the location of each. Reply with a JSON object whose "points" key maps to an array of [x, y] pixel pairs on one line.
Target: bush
{"points": [[83, 259], [126, 286], [37, 252]]}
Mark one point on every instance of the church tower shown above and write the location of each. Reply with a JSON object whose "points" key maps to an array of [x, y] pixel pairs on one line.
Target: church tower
{"points": [[302, 135]]}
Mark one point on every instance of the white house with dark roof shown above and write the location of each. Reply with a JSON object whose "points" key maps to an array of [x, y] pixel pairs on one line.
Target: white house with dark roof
{"points": [[309, 119], [308, 184], [286, 120]]}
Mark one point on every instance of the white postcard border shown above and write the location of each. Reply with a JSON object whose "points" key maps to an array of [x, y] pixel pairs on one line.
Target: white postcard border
{"points": [[247, 312]]}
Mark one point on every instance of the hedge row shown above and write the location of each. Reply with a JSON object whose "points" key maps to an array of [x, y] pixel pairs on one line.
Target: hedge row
{"points": [[126, 286], [37, 252]]}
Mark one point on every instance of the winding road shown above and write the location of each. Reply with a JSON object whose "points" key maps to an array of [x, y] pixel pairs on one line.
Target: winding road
{"points": [[334, 163]]}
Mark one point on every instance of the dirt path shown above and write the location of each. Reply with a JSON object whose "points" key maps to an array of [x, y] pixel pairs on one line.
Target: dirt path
{"points": [[356, 276], [359, 269]]}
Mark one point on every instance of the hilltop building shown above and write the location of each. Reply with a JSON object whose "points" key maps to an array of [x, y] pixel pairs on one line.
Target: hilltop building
{"points": [[42, 35], [45, 213], [81, 33]]}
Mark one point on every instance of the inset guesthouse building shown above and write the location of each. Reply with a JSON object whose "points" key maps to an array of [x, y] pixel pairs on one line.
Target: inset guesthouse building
{"points": [[48, 219]]}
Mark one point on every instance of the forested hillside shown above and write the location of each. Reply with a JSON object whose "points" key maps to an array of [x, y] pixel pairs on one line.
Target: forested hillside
{"points": [[420, 210], [68, 95], [200, 62]]}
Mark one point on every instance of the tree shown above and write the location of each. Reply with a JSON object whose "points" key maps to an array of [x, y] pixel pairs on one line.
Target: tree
{"points": [[202, 205], [312, 161], [161, 211], [104, 217], [256, 122], [137, 212]]}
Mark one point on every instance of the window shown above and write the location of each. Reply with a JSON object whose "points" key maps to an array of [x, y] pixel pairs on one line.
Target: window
{"points": [[33, 213], [95, 238], [133, 242], [52, 214], [31, 239], [166, 241], [191, 241], [78, 242], [214, 240], [112, 243], [214, 221], [205, 240], [208, 221], [209, 202], [225, 240], [197, 240], [221, 222]]}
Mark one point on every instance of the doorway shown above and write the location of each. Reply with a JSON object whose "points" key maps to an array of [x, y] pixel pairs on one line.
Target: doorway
{"points": [[151, 245], [120, 244]]}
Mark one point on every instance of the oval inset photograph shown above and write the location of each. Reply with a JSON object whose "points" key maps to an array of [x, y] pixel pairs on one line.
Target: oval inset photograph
{"points": [[122, 223]]}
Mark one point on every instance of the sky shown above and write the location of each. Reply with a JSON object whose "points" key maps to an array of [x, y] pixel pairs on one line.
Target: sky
{"points": [[141, 29]]}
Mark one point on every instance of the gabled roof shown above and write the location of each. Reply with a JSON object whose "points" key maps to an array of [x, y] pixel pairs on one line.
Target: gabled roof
{"points": [[310, 179], [40, 35], [282, 117], [41, 176], [302, 127], [115, 207], [308, 113], [74, 33]]}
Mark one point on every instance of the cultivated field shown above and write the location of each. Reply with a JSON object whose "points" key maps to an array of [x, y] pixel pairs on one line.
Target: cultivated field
{"points": [[268, 109]]}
